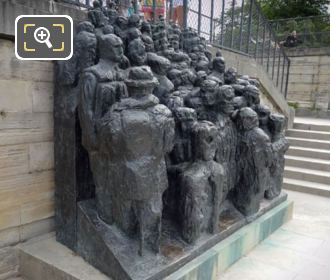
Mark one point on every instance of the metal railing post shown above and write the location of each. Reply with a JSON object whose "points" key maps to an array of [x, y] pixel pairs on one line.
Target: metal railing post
{"points": [[276, 29], [249, 27], [199, 17], [283, 69], [232, 23], [287, 78], [257, 37], [304, 36], [222, 22], [171, 10], [274, 58], [211, 21], [263, 44], [241, 26], [154, 10], [269, 46], [135, 6], [278, 68], [185, 13]]}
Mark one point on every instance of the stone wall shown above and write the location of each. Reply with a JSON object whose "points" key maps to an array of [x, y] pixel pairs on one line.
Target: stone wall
{"points": [[26, 151], [10, 9], [309, 85], [26, 135]]}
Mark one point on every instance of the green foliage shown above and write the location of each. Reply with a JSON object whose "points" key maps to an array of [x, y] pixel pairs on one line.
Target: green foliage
{"points": [[232, 28], [310, 19], [279, 9], [312, 31], [294, 105]]}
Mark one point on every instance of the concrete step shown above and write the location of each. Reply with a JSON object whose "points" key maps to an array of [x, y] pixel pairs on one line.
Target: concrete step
{"points": [[306, 187], [312, 126], [309, 113], [297, 173], [309, 143], [309, 153], [308, 163], [43, 258], [308, 134]]}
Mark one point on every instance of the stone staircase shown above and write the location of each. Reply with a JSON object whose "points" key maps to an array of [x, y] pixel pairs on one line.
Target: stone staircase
{"points": [[307, 163]]}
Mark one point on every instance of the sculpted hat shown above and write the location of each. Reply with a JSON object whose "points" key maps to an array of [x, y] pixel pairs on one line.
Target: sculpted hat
{"points": [[141, 77]]}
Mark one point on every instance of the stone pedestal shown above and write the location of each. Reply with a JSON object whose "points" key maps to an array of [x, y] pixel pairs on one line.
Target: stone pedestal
{"points": [[119, 254], [44, 257], [216, 260]]}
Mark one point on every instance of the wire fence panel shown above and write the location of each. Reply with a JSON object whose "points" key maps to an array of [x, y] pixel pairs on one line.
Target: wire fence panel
{"points": [[311, 32], [217, 11], [240, 25]]}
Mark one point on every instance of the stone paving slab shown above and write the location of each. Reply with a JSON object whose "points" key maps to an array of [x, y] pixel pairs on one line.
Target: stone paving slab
{"points": [[216, 260], [300, 250]]}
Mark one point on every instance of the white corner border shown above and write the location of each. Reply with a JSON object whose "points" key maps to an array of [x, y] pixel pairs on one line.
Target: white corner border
{"points": [[37, 58]]}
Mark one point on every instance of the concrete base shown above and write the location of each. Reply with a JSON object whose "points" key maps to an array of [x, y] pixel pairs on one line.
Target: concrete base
{"points": [[113, 245], [44, 258], [216, 260]]}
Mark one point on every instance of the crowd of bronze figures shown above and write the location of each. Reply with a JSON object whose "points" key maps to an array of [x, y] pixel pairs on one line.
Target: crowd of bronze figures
{"points": [[171, 134]]}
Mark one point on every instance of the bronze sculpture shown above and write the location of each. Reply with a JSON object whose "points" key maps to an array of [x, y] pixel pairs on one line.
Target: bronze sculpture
{"points": [[162, 142]]}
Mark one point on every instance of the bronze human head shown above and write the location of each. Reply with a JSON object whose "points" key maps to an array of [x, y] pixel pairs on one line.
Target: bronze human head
{"points": [[247, 119], [209, 90], [115, 44], [204, 140], [219, 64], [225, 99], [137, 52]]}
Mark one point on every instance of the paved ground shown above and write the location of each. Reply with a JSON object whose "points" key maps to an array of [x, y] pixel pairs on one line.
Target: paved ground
{"points": [[300, 250]]}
